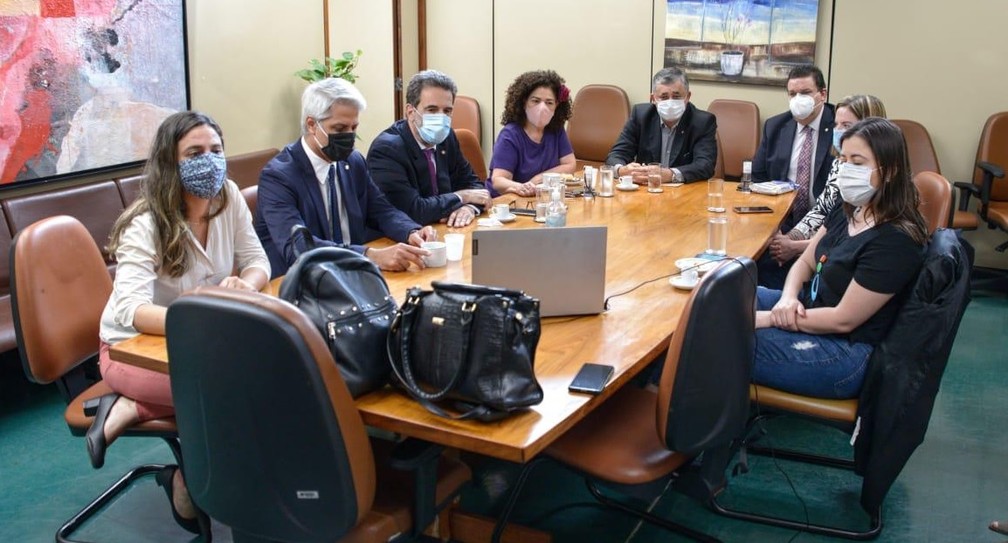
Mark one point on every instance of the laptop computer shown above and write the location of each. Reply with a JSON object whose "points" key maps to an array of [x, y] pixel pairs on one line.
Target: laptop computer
{"points": [[563, 267]]}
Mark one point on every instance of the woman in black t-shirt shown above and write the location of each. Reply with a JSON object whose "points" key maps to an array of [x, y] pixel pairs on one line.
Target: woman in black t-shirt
{"points": [[815, 336]]}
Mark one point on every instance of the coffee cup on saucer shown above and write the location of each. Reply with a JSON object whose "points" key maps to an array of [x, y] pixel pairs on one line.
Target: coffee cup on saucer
{"points": [[626, 181]]}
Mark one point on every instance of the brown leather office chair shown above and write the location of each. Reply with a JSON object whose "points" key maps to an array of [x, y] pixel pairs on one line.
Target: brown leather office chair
{"points": [[466, 115], [244, 169], [935, 199], [638, 436], [600, 111], [251, 195], [278, 449], [891, 425], [739, 128], [59, 286], [471, 150], [129, 188], [988, 185], [719, 168], [923, 158]]}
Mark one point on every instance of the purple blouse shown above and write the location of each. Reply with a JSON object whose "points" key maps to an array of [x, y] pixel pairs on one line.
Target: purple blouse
{"points": [[515, 152]]}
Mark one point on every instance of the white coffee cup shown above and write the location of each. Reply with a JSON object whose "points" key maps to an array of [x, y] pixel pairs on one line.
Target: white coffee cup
{"points": [[501, 210], [438, 254], [626, 181]]}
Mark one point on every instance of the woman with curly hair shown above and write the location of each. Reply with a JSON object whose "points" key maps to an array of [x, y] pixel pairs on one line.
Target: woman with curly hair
{"points": [[533, 140], [190, 226]]}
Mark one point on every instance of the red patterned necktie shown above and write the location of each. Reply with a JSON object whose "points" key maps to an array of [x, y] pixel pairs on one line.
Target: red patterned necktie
{"points": [[431, 169], [803, 174]]}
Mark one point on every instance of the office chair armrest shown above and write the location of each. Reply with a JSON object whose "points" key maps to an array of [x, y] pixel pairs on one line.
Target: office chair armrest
{"points": [[965, 191], [993, 169], [990, 171], [420, 457]]}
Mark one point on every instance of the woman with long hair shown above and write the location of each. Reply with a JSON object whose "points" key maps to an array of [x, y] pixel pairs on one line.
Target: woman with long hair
{"points": [[841, 296], [190, 226], [533, 140]]}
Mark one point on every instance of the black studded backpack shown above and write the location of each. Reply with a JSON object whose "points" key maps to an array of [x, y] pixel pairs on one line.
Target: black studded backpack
{"points": [[347, 298]]}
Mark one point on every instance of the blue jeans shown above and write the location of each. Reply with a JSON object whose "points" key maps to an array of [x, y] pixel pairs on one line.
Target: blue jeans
{"points": [[822, 366]]}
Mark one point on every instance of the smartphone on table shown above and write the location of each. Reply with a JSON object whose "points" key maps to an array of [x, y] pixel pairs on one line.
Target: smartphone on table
{"points": [[591, 378], [752, 209]]}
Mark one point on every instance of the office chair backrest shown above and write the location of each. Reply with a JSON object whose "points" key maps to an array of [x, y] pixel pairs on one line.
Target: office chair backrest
{"points": [[273, 444], [466, 115], [719, 170], [244, 169], [600, 111], [921, 151], [471, 149], [703, 396], [739, 128], [251, 196], [59, 287], [993, 148], [935, 199]]}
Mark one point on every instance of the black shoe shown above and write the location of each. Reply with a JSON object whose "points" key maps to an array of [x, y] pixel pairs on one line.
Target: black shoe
{"points": [[999, 526], [95, 436], [200, 524]]}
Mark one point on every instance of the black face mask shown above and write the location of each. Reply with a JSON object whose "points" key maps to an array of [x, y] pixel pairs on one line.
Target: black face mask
{"points": [[340, 146]]}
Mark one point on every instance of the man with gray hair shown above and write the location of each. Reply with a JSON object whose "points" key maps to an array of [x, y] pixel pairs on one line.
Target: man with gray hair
{"points": [[418, 163], [321, 182], [668, 130]]}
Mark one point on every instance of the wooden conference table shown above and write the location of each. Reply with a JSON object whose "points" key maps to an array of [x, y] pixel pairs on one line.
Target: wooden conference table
{"points": [[647, 233]]}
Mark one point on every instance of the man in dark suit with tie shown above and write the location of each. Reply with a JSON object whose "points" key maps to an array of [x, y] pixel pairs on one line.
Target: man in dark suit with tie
{"points": [[795, 147], [418, 163], [321, 182], [668, 130]]}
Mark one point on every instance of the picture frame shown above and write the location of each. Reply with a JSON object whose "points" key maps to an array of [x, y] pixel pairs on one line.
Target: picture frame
{"points": [[86, 84]]}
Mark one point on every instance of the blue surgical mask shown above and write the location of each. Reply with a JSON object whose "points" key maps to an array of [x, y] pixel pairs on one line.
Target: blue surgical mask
{"points": [[434, 128], [837, 134], [203, 175]]}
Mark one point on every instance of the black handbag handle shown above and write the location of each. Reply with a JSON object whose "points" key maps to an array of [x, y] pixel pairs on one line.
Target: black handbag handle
{"points": [[476, 290]]}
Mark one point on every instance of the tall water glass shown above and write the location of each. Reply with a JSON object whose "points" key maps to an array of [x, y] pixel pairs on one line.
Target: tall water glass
{"points": [[552, 180], [715, 195], [717, 235], [654, 178], [543, 198], [606, 175]]}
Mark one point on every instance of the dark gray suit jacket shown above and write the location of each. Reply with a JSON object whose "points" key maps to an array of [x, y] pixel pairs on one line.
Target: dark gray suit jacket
{"points": [[773, 158], [694, 148]]}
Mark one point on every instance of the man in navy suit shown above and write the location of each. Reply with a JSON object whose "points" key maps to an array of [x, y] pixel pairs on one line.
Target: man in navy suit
{"points": [[417, 161], [321, 182], [795, 147], [668, 130]]}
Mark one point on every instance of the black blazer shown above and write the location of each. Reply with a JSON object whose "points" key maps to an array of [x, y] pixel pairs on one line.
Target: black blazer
{"points": [[773, 158], [399, 167], [694, 148]]}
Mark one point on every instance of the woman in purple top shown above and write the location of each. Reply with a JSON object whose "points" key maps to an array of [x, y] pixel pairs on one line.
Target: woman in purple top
{"points": [[533, 140]]}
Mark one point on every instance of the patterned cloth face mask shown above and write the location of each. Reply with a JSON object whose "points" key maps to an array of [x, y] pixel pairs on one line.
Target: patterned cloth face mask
{"points": [[203, 175]]}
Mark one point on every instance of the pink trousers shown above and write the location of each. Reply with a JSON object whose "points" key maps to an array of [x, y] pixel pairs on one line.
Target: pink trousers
{"points": [[150, 389]]}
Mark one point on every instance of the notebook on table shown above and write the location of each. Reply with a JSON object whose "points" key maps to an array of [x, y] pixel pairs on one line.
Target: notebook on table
{"points": [[563, 267]]}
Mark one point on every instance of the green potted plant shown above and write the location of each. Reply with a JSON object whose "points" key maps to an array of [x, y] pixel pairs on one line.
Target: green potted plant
{"points": [[342, 67]]}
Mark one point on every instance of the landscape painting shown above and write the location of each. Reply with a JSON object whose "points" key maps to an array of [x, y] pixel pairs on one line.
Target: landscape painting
{"points": [[740, 41], [84, 84]]}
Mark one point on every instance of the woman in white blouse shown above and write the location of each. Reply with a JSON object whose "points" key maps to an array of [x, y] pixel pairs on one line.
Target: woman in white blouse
{"points": [[190, 226]]}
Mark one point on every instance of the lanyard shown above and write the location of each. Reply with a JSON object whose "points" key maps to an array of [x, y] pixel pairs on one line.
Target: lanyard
{"points": [[815, 279]]}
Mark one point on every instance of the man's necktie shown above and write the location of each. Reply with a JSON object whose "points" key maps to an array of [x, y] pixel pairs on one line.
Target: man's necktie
{"points": [[804, 175], [431, 169], [335, 232]]}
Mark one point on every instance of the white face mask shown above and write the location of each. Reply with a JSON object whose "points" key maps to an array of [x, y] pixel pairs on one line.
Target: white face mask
{"points": [[539, 115], [671, 110], [801, 106], [854, 182]]}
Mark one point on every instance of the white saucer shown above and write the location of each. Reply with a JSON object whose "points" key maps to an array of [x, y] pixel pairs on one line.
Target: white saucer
{"points": [[510, 217], [702, 265], [631, 188], [673, 185], [680, 282]]}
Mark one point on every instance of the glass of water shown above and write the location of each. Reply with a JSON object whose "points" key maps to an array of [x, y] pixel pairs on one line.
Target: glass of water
{"points": [[654, 178], [717, 235], [715, 195]]}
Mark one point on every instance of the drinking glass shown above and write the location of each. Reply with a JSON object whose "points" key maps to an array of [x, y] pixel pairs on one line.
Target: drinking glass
{"points": [[606, 175], [715, 195], [654, 178], [454, 244], [717, 235]]}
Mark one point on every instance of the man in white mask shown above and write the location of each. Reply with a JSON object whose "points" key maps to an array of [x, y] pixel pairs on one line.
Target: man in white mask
{"points": [[796, 147], [668, 130], [418, 163]]}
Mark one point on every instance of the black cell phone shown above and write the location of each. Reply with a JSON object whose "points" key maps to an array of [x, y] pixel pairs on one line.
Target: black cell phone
{"points": [[522, 211], [591, 378], [752, 209]]}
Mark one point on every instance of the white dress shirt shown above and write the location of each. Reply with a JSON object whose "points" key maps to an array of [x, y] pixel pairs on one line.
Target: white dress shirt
{"points": [[232, 244], [792, 172]]}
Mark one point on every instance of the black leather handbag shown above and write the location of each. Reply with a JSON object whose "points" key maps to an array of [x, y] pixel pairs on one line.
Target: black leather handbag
{"points": [[471, 344], [347, 298]]}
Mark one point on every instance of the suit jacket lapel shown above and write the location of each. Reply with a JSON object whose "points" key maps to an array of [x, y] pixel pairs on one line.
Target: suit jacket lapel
{"points": [[355, 216], [416, 155], [312, 186]]}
